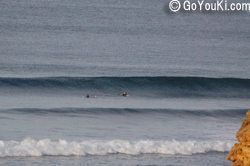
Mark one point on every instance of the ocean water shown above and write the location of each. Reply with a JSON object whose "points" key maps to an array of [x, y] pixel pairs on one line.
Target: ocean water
{"points": [[187, 76]]}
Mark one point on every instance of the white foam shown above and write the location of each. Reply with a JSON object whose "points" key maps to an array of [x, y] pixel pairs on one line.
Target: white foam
{"points": [[31, 147]]}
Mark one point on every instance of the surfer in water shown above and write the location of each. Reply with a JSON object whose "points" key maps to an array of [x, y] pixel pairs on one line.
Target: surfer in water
{"points": [[89, 96], [125, 94]]}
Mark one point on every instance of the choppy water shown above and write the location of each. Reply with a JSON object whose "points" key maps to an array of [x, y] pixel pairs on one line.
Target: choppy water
{"points": [[187, 76]]}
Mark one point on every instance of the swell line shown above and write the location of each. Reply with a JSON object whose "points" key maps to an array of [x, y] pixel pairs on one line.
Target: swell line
{"points": [[144, 86], [104, 111]]}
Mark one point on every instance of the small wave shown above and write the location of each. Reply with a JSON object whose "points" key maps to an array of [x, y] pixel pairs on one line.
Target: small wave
{"points": [[102, 111], [46, 147]]}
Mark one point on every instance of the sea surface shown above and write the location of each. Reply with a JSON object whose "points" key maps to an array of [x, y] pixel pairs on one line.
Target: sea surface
{"points": [[187, 75]]}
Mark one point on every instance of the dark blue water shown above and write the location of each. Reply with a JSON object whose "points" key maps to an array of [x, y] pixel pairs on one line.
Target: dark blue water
{"points": [[187, 76], [153, 87]]}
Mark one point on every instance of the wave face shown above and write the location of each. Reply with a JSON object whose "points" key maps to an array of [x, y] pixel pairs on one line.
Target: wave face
{"points": [[30, 147], [139, 86]]}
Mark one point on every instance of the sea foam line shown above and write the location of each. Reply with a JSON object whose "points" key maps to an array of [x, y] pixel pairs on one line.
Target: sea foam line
{"points": [[31, 147]]}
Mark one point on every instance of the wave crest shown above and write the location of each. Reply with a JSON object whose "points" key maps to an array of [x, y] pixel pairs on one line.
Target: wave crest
{"points": [[137, 86], [30, 147]]}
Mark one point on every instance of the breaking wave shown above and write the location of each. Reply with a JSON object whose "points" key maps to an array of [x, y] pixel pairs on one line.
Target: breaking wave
{"points": [[139, 86], [30, 147]]}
